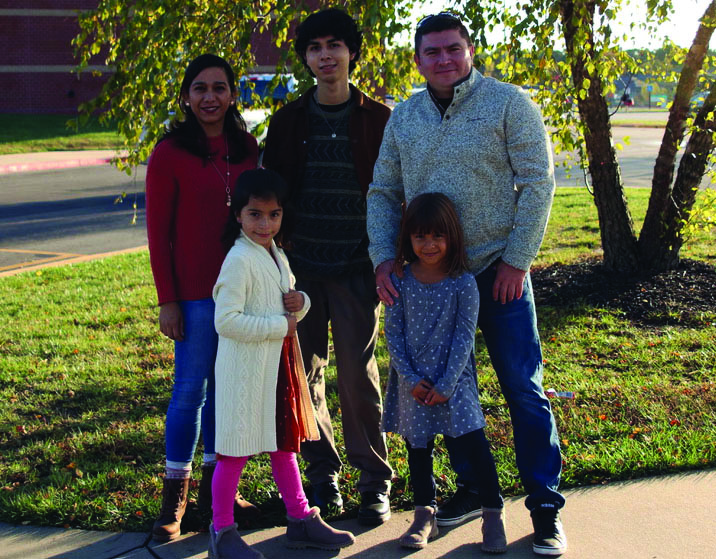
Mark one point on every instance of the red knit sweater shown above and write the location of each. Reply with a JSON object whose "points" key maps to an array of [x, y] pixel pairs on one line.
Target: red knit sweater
{"points": [[186, 215]]}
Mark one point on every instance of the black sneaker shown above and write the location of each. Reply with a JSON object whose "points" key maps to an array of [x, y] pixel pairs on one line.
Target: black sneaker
{"points": [[464, 505], [327, 497], [374, 508], [549, 535]]}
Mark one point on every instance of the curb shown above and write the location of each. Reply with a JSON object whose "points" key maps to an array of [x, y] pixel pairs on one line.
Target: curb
{"points": [[41, 162], [70, 260], [49, 165]]}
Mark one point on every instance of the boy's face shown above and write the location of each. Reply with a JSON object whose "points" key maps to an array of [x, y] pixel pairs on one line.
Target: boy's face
{"points": [[329, 59]]}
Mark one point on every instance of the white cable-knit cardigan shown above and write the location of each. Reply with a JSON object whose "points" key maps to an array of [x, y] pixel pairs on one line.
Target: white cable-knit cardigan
{"points": [[251, 324]]}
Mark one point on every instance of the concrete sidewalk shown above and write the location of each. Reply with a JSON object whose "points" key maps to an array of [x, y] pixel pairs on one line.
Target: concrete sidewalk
{"points": [[672, 517], [49, 160]]}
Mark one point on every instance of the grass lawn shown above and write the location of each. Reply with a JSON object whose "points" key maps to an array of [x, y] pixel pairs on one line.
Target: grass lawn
{"points": [[21, 133], [85, 378]]}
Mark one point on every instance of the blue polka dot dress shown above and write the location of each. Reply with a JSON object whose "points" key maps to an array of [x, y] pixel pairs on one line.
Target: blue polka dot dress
{"points": [[430, 332]]}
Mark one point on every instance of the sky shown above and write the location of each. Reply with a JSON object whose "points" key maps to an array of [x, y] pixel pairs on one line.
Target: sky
{"points": [[681, 29]]}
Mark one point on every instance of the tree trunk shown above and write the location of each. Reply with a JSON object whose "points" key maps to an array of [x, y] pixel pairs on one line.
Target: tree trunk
{"points": [[658, 246], [615, 224], [691, 170]]}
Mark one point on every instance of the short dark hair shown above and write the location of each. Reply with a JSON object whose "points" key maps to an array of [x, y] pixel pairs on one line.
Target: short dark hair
{"points": [[329, 23], [439, 22], [189, 134], [263, 184], [432, 212]]}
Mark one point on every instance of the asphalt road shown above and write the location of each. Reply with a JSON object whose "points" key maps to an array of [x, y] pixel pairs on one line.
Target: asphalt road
{"points": [[59, 215], [636, 159]]}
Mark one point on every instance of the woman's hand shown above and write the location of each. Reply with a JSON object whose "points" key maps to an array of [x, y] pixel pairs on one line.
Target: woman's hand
{"points": [[293, 301], [171, 321], [292, 324]]}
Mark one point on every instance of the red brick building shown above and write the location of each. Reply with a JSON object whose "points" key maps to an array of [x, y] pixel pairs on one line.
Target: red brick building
{"points": [[37, 58]]}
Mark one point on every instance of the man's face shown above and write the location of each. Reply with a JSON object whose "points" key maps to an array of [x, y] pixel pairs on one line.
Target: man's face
{"points": [[444, 59], [329, 59]]}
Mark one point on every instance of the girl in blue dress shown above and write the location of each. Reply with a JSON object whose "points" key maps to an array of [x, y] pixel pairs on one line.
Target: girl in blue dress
{"points": [[430, 332]]}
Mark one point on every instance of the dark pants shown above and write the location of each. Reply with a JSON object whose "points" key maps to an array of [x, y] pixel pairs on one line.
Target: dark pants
{"points": [[475, 450], [351, 307]]}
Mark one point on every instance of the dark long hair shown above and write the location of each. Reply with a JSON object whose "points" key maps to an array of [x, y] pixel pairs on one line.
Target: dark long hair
{"points": [[263, 184], [433, 212], [189, 134]]}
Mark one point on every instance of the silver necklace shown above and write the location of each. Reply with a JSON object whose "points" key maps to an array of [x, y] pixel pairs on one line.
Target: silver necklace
{"points": [[227, 180], [323, 114]]}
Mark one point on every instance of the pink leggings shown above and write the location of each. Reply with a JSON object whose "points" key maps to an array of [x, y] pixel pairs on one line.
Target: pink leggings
{"points": [[226, 480]]}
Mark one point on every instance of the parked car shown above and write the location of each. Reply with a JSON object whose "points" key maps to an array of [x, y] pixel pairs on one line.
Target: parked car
{"points": [[260, 84]]}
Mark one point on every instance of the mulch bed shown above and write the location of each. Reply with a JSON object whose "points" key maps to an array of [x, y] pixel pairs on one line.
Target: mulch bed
{"points": [[684, 296]]}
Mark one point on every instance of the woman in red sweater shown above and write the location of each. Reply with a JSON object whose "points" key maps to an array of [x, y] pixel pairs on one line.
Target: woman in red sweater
{"points": [[190, 179]]}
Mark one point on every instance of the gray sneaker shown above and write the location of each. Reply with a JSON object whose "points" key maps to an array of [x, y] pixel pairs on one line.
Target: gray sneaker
{"points": [[464, 505], [549, 535]]}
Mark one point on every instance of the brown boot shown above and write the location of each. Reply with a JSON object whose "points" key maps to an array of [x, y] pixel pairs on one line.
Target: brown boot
{"points": [[174, 497], [242, 508]]}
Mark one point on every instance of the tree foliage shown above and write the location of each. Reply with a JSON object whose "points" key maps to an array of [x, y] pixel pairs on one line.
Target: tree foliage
{"points": [[148, 44], [572, 87], [566, 51]]}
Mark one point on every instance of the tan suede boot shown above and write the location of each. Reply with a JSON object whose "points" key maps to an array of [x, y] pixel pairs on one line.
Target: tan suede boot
{"points": [[174, 497], [312, 531], [423, 528], [493, 530], [227, 544]]}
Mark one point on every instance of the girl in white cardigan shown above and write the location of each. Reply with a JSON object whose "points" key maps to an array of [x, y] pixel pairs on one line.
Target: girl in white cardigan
{"points": [[262, 401]]}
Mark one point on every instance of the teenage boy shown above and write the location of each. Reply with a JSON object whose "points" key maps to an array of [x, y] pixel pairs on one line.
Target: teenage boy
{"points": [[325, 145], [482, 143]]}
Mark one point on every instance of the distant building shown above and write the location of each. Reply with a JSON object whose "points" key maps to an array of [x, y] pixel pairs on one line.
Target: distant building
{"points": [[37, 58]]}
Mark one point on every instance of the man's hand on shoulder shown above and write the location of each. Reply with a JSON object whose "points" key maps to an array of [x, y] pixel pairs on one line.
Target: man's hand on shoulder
{"points": [[508, 283], [384, 287]]}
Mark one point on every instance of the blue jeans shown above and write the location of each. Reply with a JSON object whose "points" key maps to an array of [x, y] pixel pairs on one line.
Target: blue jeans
{"points": [[512, 340], [191, 408]]}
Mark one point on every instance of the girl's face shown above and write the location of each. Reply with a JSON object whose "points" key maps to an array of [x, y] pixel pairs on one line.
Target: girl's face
{"points": [[261, 220], [209, 98], [430, 248]]}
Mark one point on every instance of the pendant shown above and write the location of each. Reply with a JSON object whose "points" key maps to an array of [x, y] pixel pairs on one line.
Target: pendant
{"points": [[228, 201], [333, 135]]}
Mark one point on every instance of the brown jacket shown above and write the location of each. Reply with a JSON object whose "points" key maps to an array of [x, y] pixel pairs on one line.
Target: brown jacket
{"points": [[287, 137]]}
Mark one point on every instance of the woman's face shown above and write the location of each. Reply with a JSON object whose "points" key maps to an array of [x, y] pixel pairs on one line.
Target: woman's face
{"points": [[209, 97]]}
